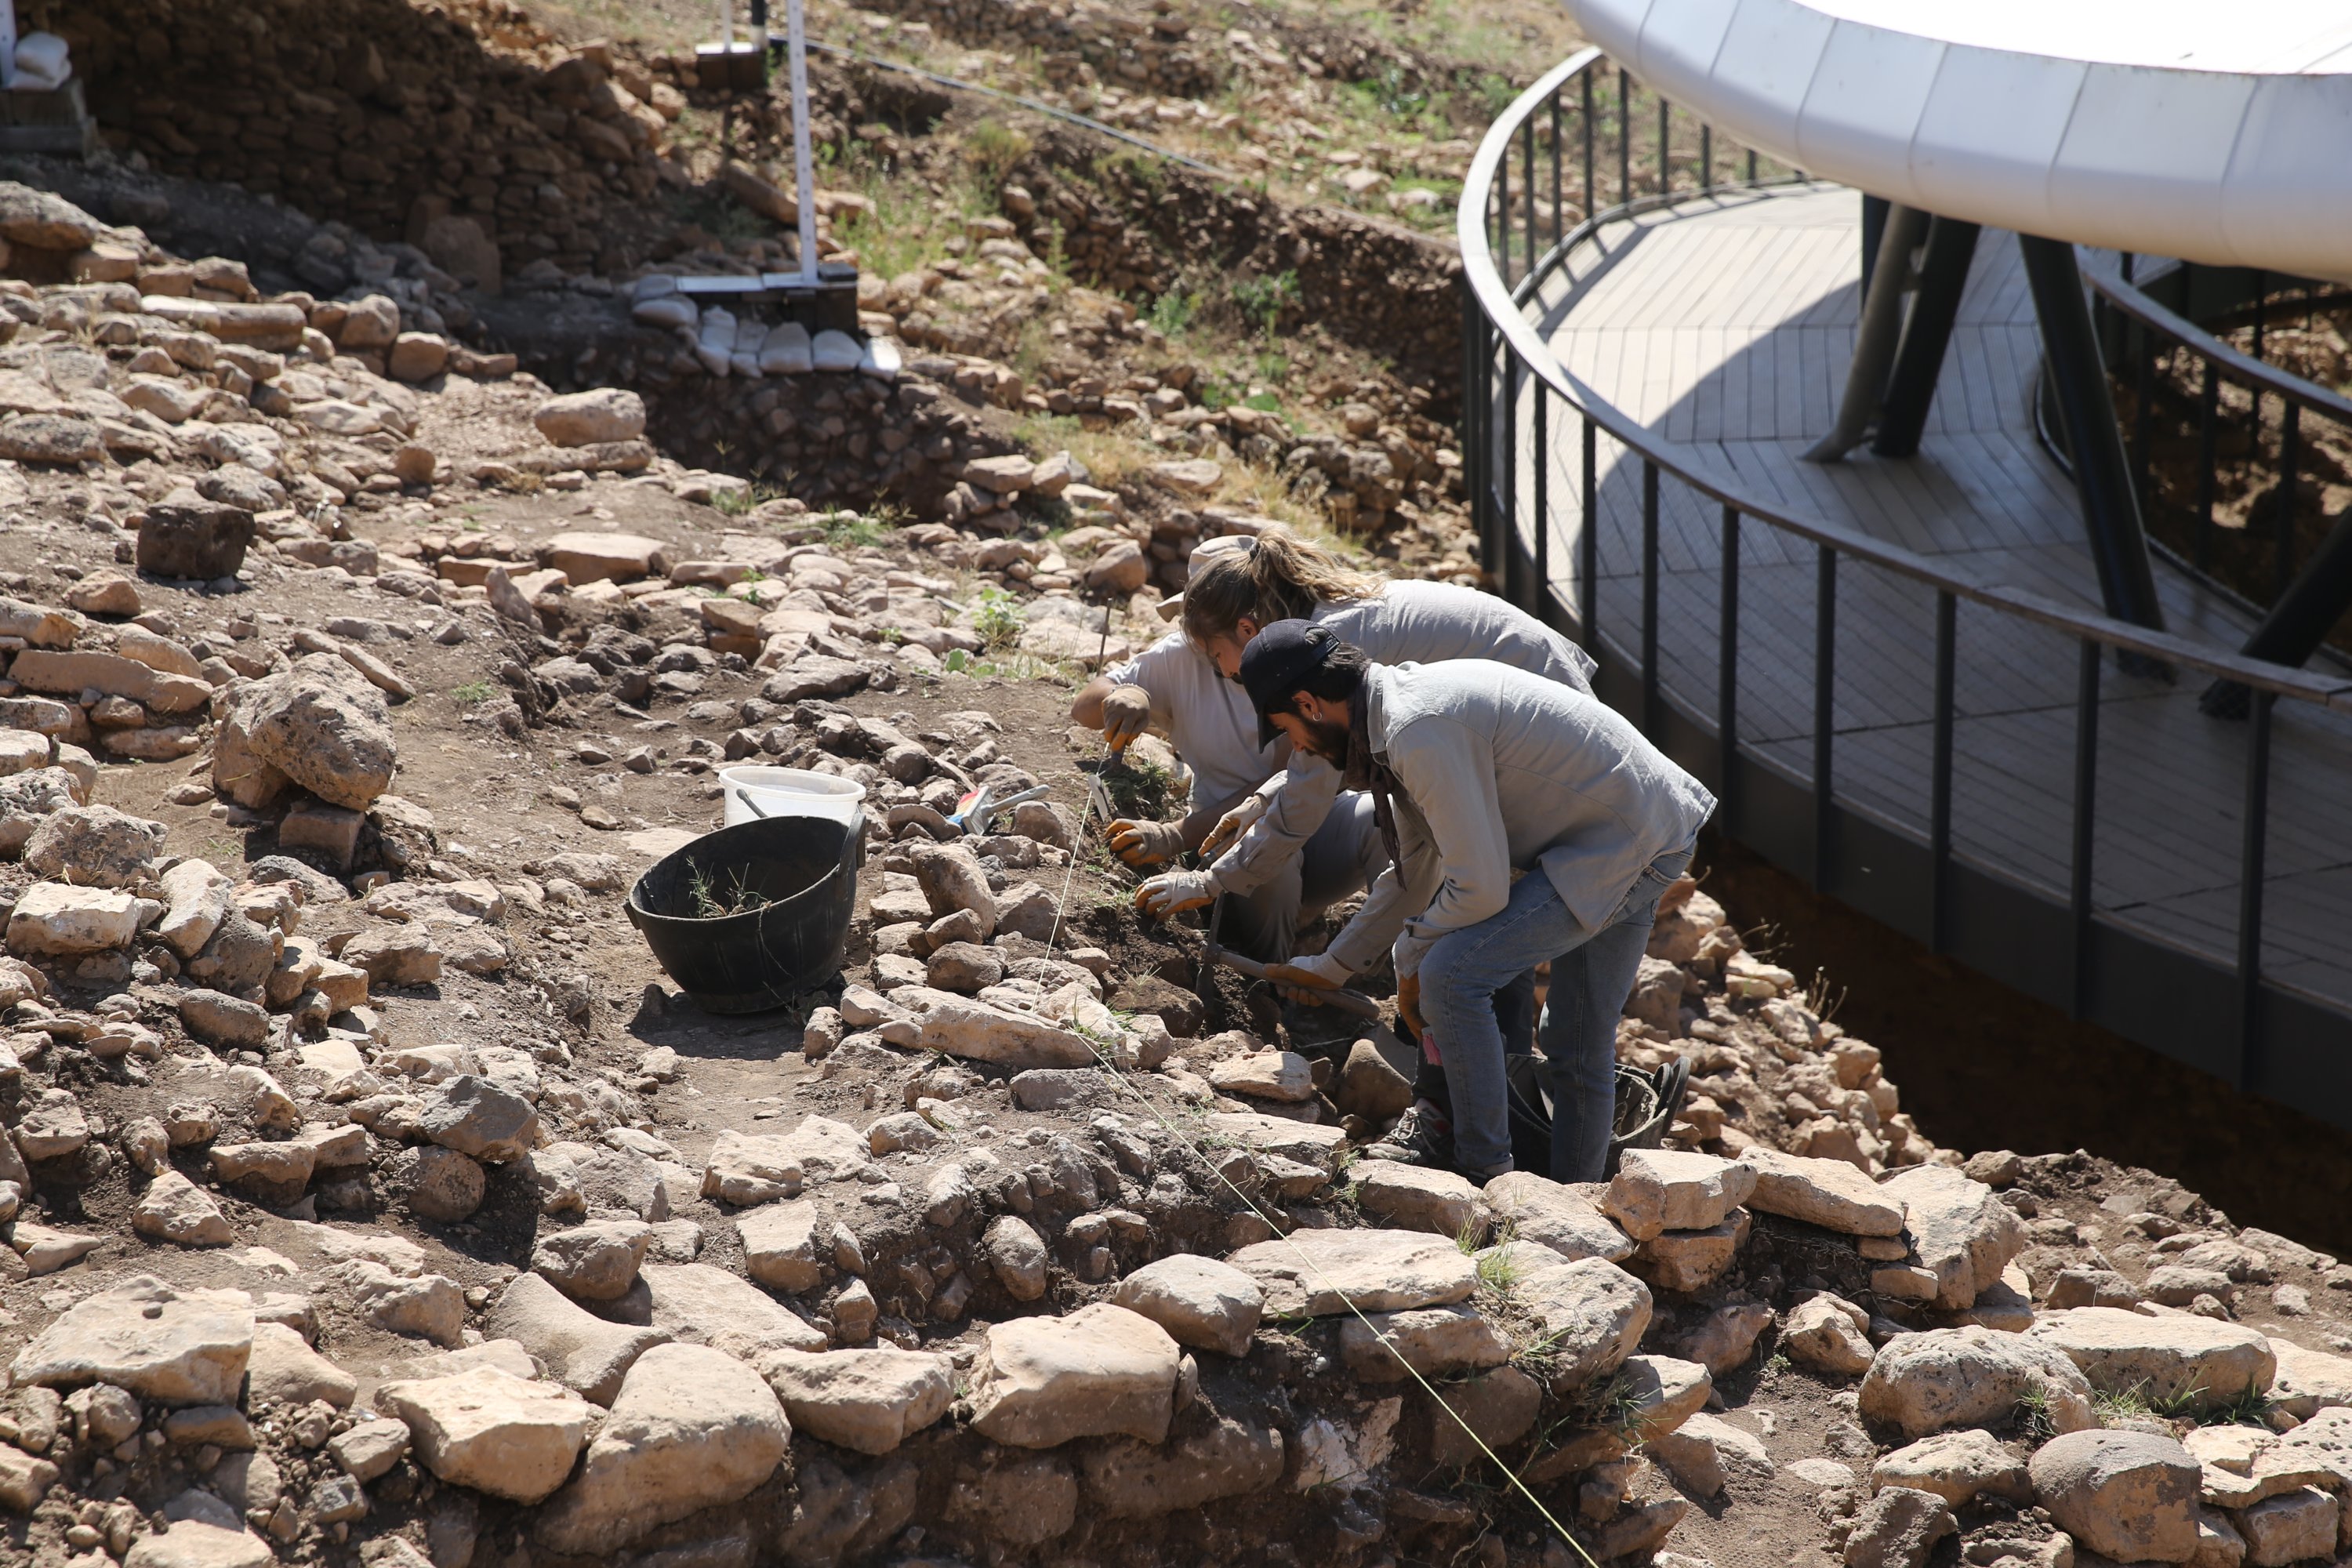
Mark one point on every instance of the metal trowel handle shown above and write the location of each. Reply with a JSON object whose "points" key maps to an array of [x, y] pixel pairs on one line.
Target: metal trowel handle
{"points": [[1353, 1001]]}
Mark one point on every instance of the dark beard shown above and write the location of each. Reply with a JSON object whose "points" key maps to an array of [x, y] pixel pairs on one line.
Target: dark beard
{"points": [[1329, 741]]}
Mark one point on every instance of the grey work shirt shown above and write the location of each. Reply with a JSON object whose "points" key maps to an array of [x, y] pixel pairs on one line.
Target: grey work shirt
{"points": [[1408, 623], [1499, 771]]}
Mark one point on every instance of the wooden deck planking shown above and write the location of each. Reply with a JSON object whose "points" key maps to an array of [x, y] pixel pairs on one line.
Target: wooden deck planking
{"points": [[1727, 326]]}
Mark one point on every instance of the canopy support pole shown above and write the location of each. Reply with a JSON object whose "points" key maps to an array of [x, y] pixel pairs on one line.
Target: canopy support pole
{"points": [[1880, 333], [2087, 411], [1927, 334]]}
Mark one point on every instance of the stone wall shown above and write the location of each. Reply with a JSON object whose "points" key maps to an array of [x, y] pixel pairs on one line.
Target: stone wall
{"points": [[379, 113]]}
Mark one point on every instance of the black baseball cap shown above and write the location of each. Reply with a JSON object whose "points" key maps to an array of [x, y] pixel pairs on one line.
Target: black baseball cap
{"points": [[1277, 662]]}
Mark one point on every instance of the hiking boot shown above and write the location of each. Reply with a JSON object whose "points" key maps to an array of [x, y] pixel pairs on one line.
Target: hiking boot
{"points": [[1420, 1137]]}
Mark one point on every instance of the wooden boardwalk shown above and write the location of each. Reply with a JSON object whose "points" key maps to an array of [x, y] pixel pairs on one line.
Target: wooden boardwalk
{"points": [[1726, 325]]}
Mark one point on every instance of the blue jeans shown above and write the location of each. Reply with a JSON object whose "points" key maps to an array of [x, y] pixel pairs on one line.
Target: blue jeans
{"points": [[1591, 975]]}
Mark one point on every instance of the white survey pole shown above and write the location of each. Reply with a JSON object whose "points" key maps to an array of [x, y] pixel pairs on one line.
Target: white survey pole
{"points": [[804, 161]]}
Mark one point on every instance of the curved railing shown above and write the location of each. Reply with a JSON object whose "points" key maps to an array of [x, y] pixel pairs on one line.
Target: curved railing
{"points": [[1515, 390], [2154, 330]]}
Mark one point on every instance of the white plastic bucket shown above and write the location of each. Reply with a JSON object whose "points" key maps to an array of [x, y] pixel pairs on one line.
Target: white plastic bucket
{"points": [[790, 792]]}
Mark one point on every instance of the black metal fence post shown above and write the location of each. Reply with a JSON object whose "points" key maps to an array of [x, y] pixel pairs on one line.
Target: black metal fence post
{"points": [[1652, 716], [1727, 677], [1588, 545]]}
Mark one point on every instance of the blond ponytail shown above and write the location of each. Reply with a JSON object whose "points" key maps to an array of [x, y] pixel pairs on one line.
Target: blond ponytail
{"points": [[1282, 577]]}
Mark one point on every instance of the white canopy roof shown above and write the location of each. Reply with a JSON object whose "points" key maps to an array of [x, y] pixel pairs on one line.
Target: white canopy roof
{"points": [[2216, 131]]}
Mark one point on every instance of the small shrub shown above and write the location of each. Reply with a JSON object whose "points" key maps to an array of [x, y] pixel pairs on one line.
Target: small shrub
{"points": [[471, 693], [999, 620]]}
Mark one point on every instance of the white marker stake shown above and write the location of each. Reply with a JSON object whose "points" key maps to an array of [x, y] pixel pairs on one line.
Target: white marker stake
{"points": [[804, 161]]}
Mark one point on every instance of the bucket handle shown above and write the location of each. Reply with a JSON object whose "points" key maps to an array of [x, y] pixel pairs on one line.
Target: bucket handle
{"points": [[748, 804]]}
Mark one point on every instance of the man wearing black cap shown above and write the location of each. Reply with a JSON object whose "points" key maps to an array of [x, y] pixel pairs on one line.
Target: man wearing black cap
{"points": [[1531, 821]]}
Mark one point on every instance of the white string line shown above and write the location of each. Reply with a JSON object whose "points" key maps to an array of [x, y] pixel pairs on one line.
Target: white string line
{"points": [[1118, 1074]]}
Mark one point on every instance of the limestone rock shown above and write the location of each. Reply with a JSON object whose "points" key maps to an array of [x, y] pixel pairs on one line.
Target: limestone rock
{"points": [[162, 1342], [593, 1262], [1961, 1231], [196, 1543], [1019, 1256], [746, 1169], [480, 1120], [590, 418], [1898, 1529], [2197, 1361], [285, 1369], [1198, 1300], [2127, 1496], [585, 1353], [1128, 1478], [52, 920], [1659, 1190], [786, 1246], [322, 725], [1924, 1383], [439, 1183], [1318, 1273], [1956, 1466], [195, 902], [1265, 1075], [1369, 1087], [951, 879], [982, 1031], [1831, 1193], [1412, 1197], [430, 1305], [869, 1400], [93, 846], [24, 1480], [1101, 1370], [1590, 1313], [691, 1428], [2294, 1527], [487, 1429], [1495, 1408], [174, 1208], [2307, 1381], [1828, 1333], [1435, 1341], [1563, 1219], [370, 1448], [700, 1304], [1688, 1260]]}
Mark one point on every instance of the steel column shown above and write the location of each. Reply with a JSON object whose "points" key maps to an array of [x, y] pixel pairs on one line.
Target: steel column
{"points": [[1927, 334], [1588, 545], [2299, 622], [1652, 713], [2087, 411], [1939, 786], [1880, 334], [1727, 677], [1874, 228]]}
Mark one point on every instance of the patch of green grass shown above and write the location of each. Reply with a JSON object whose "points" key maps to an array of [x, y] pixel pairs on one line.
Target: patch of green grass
{"points": [[1139, 790], [851, 529], [472, 693], [994, 147], [1172, 312], [1262, 301], [735, 502], [1499, 1270], [999, 620], [2034, 1423]]}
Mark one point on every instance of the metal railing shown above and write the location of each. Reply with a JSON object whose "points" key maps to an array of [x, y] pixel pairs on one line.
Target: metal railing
{"points": [[2150, 317], [1564, 132]]}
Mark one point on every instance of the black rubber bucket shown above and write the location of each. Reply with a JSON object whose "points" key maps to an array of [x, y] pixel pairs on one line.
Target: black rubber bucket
{"points": [[804, 867]]}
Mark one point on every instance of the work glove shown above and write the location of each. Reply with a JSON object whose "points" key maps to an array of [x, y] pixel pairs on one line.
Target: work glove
{"points": [[1305, 979], [1409, 1006], [1126, 714], [1170, 891], [1146, 843], [1233, 825]]}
